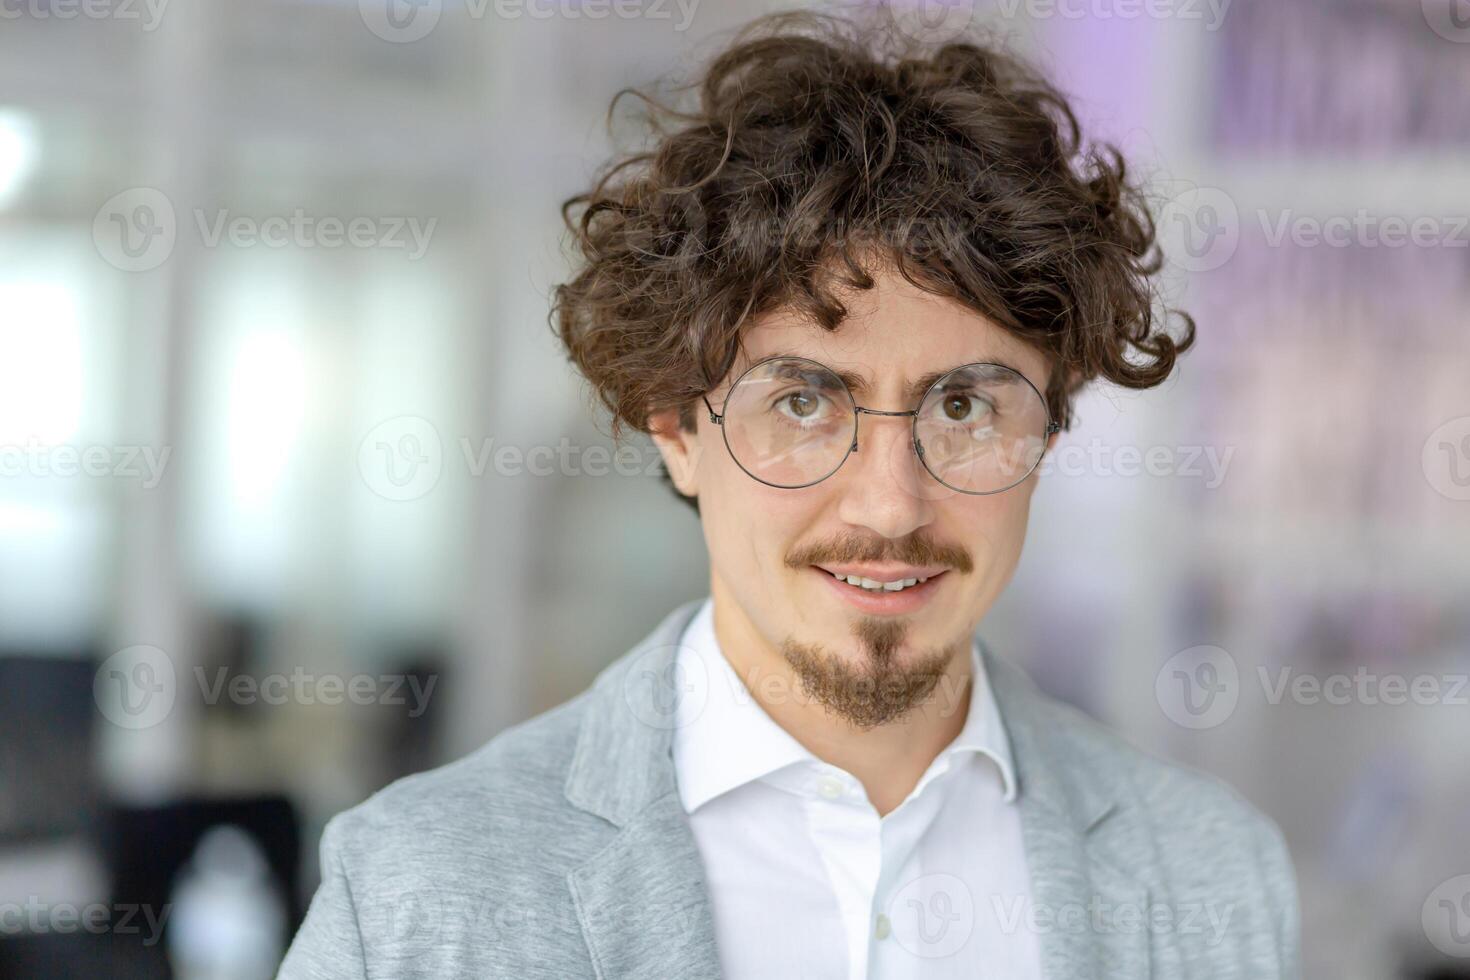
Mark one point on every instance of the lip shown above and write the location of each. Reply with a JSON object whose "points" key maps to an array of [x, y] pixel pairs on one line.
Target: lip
{"points": [[882, 572], [911, 599]]}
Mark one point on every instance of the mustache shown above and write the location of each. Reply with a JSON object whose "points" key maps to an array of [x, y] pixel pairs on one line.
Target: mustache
{"points": [[911, 549]]}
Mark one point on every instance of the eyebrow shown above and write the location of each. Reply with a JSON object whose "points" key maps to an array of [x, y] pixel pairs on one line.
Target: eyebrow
{"points": [[857, 384]]}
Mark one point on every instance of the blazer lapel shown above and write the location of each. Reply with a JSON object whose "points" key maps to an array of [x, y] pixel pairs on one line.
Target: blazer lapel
{"points": [[1091, 915], [642, 900]]}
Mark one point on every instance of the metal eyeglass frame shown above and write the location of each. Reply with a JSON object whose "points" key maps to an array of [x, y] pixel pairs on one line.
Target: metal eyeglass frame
{"points": [[718, 418]]}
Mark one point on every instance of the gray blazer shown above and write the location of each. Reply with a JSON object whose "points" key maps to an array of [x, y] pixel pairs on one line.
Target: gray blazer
{"points": [[560, 849]]}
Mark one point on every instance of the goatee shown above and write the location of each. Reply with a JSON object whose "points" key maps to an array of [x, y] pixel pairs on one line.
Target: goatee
{"points": [[879, 689]]}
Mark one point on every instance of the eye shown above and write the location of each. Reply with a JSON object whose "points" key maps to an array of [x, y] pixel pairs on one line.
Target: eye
{"points": [[964, 407], [801, 405]]}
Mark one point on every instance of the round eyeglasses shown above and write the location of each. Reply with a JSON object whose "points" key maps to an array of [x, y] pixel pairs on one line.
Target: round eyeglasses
{"points": [[790, 422]]}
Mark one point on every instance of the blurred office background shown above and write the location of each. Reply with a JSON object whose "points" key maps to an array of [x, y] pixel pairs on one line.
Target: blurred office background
{"points": [[243, 455]]}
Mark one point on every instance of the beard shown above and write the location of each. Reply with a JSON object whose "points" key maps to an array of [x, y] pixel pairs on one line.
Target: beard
{"points": [[876, 691]]}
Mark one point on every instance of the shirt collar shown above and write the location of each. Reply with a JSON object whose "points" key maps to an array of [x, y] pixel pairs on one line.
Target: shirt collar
{"points": [[724, 739]]}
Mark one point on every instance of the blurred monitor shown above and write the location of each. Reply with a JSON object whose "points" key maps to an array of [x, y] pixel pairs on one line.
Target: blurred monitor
{"points": [[47, 717]]}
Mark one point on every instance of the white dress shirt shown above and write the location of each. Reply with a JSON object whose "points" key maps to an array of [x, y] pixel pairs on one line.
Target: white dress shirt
{"points": [[807, 880]]}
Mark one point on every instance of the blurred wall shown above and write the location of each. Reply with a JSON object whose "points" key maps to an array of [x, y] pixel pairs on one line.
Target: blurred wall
{"points": [[280, 400]]}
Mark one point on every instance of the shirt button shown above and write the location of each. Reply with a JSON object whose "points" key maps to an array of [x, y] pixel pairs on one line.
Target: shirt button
{"points": [[881, 930], [830, 787]]}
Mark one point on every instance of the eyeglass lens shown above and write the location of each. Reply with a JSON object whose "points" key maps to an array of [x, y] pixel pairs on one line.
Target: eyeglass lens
{"points": [[791, 422]]}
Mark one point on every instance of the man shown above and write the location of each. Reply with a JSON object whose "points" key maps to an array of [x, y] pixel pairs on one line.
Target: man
{"points": [[852, 297]]}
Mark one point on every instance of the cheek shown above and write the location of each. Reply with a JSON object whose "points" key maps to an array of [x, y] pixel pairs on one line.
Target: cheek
{"points": [[750, 527], [728, 486], [993, 529]]}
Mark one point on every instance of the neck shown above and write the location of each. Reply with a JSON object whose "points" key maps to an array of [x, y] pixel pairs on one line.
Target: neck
{"points": [[888, 759]]}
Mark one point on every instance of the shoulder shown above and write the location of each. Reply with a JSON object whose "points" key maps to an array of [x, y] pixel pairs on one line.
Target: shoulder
{"points": [[464, 870], [1068, 740], [499, 803], [507, 802], [1164, 812], [458, 871], [1173, 793], [1195, 842]]}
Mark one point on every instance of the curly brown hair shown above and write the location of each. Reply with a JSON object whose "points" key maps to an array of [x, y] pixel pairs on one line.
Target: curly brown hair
{"points": [[817, 145]]}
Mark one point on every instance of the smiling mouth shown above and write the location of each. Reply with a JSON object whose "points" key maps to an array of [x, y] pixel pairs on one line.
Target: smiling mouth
{"points": [[883, 596], [873, 585]]}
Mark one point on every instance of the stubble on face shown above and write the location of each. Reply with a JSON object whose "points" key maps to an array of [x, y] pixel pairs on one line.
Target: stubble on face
{"points": [[876, 691], [879, 688]]}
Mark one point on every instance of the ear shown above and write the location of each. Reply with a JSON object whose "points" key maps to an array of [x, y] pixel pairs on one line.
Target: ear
{"points": [[679, 448]]}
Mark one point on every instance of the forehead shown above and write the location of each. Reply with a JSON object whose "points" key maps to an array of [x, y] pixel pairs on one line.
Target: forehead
{"points": [[894, 334]]}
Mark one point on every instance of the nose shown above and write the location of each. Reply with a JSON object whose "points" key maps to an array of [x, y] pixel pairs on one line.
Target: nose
{"points": [[881, 487]]}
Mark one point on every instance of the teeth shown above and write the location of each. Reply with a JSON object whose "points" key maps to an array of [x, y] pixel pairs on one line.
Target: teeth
{"points": [[898, 585]]}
